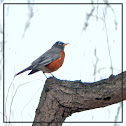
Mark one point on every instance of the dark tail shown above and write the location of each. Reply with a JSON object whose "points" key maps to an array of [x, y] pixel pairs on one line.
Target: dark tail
{"points": [[33, 71], [28, 68]]}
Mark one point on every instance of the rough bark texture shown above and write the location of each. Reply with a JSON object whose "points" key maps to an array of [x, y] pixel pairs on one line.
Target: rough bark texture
{"points": [[61, 98]]}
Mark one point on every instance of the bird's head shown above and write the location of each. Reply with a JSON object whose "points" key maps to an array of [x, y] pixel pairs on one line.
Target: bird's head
{"points": [[60, 45]]}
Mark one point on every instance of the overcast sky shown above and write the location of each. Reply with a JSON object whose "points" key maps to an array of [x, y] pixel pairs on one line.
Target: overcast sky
{"points": [[26, 38]]}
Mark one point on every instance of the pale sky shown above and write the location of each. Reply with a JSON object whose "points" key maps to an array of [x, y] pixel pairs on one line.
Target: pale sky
{"points": [[51, 23]]}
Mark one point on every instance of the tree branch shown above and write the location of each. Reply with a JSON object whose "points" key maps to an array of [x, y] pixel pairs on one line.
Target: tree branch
{"points": [[61, 98]]}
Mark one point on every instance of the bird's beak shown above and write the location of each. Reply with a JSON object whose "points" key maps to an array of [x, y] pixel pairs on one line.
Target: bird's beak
{"points": [[65, 44]]}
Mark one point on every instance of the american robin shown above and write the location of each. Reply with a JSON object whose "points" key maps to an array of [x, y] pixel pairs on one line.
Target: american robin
{"points": [[48, 62]]}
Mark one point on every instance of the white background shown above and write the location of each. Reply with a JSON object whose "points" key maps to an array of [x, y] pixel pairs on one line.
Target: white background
{"points": [[27, 37]]}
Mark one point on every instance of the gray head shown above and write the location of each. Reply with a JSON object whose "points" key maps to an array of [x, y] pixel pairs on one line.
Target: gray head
{"points": [[60, 45]]}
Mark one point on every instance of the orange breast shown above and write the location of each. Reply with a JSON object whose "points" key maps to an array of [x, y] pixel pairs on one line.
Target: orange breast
{"points": [[55, 65]]}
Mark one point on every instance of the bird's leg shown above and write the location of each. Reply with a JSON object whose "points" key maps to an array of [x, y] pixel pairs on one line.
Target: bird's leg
{"points": [[45, 75], [52, 74]]}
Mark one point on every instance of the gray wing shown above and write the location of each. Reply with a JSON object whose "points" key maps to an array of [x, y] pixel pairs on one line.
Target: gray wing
{"points": [[45, 59]]}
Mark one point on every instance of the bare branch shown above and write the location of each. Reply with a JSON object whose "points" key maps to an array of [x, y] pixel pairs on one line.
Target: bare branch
{"points": [[61, 98]]}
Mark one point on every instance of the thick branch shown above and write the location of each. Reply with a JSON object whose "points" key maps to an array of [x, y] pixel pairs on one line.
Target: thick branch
{"points": [[60, 98]]}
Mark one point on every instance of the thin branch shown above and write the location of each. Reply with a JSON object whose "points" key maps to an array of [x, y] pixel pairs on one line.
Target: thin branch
{"points": [[5, 117], [28, 103], [109, 6], [14, 96], [88, 17], [8, 93], [117, 115], [95, 64], [29, 17], [111, 66]]}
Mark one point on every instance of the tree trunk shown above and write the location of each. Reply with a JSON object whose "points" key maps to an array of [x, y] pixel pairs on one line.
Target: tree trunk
{"points": [[61, 98]]}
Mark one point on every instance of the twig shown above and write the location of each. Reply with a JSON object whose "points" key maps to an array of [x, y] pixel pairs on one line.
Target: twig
{"points": [[30, 15], [108, 43], [28, 103], [95, 65], [7, 94], [14, 96], [5, 117], [116, 117], [88, 17]]}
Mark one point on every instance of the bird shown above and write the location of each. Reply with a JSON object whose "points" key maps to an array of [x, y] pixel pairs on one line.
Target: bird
{"points": [[48, 62]]}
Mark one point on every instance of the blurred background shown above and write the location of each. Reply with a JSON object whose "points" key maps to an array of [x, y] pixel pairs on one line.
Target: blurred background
{"points": [[94, 32]]}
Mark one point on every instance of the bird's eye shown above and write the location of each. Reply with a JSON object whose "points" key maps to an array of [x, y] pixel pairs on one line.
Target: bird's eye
{"points": [[59, 43]]}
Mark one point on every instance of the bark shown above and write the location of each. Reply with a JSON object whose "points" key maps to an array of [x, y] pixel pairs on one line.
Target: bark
{"points": [[61, 98]]}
